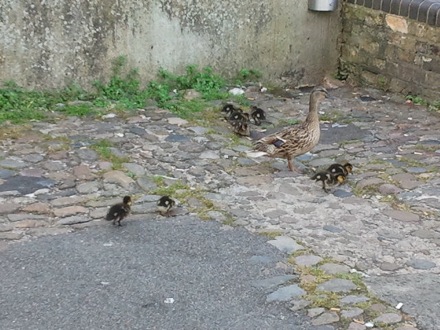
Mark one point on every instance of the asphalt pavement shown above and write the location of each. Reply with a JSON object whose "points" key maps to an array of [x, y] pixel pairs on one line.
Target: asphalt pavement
{"points": [[177, 273]]}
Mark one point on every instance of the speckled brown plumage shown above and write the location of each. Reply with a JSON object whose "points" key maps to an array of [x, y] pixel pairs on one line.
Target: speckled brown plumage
{"points": [[295, 140]]}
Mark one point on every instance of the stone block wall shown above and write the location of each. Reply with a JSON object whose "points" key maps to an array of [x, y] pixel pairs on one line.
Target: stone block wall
{"points": [[393, 44]]}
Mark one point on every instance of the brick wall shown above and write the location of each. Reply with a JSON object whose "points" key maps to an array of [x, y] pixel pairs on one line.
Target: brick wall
{"points": [[393, 44]]}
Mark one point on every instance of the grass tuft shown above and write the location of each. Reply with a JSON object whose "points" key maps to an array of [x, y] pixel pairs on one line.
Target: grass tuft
{"points": [[123, 91], [103, 148]]}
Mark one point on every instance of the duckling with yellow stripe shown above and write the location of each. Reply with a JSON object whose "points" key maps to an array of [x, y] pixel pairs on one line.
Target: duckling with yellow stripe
{"points": [[329, 179]]}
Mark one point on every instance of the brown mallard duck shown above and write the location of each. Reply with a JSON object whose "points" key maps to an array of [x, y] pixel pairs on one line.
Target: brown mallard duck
{"points": [[119, 211], [344, 169], [328, 178], [298, 139]]}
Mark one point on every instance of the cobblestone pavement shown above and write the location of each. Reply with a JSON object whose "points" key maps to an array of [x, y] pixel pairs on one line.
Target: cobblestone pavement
{"points": [[382, 224]]}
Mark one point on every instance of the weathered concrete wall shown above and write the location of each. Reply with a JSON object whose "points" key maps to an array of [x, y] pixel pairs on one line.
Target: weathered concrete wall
{"points": [[48, 44], [391, 51]]}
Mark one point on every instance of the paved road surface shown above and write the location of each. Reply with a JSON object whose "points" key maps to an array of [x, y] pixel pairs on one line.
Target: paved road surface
{"points": [[119, 278]]}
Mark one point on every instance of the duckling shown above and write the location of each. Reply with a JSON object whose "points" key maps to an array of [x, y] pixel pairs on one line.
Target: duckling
{"points": [[295, 140], [241, 127], [329, 179], [164, 205], [345, 169], [238, 115], [257, 115], [240, 123], [119, 211], [229, 108]]}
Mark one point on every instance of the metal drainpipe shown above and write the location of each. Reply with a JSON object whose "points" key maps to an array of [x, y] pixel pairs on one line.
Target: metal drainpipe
{"points": [[323, 5]]}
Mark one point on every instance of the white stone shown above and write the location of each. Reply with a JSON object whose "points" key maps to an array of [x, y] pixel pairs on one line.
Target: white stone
{"points": [[236, 91], [397, 23], [109, 115], [177, 121], [286, 244]]}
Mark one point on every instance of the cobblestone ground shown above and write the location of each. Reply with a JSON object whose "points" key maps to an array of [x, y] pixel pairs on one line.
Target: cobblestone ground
{"points": [[383, 222]]}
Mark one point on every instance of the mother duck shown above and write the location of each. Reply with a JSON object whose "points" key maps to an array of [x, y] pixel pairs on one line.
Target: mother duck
{"points": [[298, 139]]}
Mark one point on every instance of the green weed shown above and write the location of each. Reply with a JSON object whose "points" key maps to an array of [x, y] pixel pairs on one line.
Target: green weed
{"points": [[418, 100], [18, 105], [188, 109], [290, 121], [271, 234], [383, 83], [123, 91], [103, 148], [247, 75], [230, 220], [411, 162], [79, 110], [434, 106]]}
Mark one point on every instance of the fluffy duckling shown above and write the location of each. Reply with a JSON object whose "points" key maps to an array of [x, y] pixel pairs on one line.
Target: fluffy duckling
{"points": [[238, 115], [240, 123], [241, 127], [344, 169], [294, 140], [329, 179], [229, 108], [164, 205], [257, 115], [119, 211]]}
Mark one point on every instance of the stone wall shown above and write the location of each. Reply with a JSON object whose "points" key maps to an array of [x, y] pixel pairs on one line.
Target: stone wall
{"points": [[393, 44], [48, 44]]}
